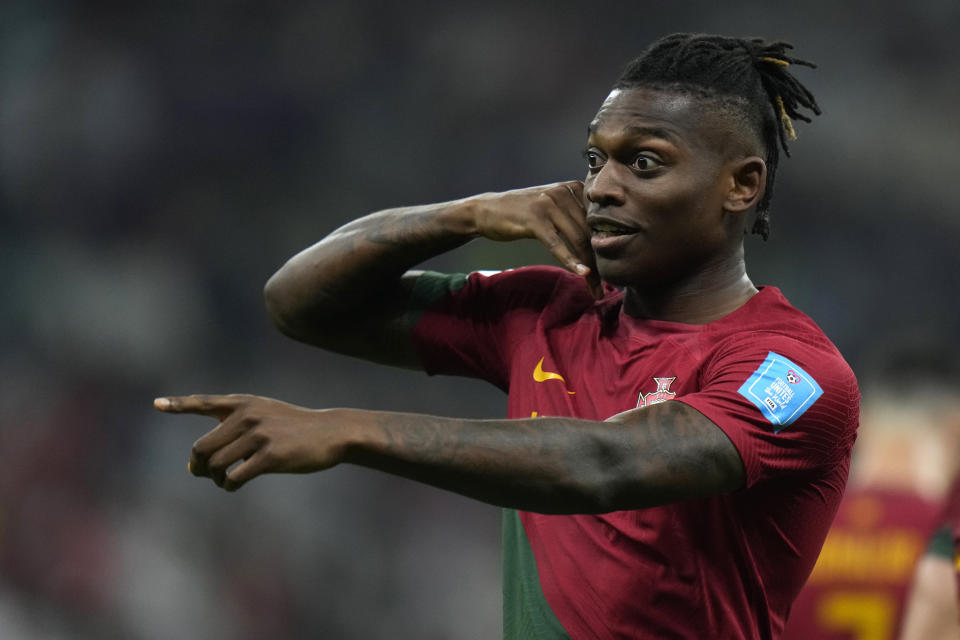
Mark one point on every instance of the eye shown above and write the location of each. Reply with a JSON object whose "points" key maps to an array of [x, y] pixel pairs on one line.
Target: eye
{"points": [[645, 162], [595, 160]]}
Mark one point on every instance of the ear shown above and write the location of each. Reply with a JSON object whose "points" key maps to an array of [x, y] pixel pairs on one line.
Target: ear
{"points": [[747, 184]]}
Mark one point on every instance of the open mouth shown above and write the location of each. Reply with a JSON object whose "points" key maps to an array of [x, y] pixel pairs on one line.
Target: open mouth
{"points": [[609, 229], [609, 237]]}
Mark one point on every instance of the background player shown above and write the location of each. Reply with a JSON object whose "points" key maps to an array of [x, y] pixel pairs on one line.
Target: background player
{"points": [[932, 608], [754, 451], [905, 457]]}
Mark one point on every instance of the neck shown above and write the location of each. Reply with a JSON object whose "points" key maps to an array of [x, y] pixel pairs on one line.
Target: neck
{"points": [[710, 294]]}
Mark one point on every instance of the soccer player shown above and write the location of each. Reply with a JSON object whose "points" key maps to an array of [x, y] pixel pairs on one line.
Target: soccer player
{"points": [[903, 462], [678, 440], [932, 609]]}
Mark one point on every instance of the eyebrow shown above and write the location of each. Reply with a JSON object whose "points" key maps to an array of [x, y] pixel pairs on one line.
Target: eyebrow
{"points": [[641, 131]]}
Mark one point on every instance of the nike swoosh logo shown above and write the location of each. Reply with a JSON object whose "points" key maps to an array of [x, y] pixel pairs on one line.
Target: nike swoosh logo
{"points": [[542, 376]]}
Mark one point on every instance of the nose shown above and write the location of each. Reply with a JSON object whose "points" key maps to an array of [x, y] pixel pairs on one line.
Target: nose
{"points": [[605, 187]]}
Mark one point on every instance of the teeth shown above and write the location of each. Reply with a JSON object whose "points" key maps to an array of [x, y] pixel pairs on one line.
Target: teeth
{"points": [[605, 229]]}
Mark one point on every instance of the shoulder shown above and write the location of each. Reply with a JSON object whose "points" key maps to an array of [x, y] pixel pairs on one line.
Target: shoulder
{"points": [[533, 278], [770, 321], [775, 356], [537, 276], [534, 287]]}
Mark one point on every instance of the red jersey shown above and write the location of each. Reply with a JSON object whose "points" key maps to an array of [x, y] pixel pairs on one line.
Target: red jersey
{"points": [[724, 567], [859, 585]]}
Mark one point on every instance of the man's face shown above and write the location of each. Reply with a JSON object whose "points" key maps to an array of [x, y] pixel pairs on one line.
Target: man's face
{"points": [[655, 189]]}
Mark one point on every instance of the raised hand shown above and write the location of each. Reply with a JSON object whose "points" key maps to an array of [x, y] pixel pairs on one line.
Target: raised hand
{"points": [[552, 213], [261, 434]]}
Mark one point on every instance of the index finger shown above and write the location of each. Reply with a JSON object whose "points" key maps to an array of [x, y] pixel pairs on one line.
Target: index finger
{"points": [[205, 405]]}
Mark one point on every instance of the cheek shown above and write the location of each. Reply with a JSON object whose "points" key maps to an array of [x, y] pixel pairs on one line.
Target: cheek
{"points": [[687, 226], [680, 204]]}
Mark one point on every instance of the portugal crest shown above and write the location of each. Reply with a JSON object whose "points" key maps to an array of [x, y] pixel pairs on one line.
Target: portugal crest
{"points": [[662, 394]]}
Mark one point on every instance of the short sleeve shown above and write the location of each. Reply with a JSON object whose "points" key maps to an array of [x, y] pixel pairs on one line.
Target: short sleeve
{"points": [[787, 404], [473, 323]]}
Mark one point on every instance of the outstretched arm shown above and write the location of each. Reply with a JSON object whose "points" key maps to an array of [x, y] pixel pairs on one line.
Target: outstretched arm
{"points": [[352, 291], [644, 457]]}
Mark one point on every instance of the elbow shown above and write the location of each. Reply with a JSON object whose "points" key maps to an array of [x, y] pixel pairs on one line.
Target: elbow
{"points": [[604, 480], [585, 496], [280, 304], [610, 492], [614, 474]]}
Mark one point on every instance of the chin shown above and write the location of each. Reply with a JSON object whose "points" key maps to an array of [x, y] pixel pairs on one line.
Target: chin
{"points": [[637, 276], [615, 273]]}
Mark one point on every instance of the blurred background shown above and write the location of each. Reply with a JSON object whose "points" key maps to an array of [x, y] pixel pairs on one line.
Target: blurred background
{"points": [[158, 161]]}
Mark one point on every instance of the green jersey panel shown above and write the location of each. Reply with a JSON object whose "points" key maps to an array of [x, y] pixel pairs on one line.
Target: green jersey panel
{"points": [[526, 614], [941, 544]]}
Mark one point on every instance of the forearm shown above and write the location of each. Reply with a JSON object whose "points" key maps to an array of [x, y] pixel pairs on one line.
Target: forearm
{"points": [[554, 465], [362, 263], [640, 458]]}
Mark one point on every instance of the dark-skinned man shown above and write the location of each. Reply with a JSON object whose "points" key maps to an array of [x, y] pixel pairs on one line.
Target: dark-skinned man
{"points": [[678, 440]]}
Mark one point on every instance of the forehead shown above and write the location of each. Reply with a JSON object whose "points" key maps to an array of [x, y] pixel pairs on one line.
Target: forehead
{"points": [[675, 116]]}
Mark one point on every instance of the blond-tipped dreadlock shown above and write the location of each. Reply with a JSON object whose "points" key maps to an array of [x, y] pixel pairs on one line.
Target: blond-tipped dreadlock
{"points": [[752, 71]]}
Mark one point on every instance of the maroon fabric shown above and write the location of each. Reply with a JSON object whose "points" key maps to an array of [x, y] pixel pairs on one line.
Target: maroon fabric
{"points": [[861, 580], [729, 566]]}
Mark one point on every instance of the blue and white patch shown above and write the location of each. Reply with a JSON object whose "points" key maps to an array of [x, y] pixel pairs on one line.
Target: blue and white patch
{"points": [[781, 390]]}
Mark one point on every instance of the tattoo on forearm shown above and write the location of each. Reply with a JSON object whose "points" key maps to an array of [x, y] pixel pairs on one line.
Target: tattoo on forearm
{"points": [[556, 465]]}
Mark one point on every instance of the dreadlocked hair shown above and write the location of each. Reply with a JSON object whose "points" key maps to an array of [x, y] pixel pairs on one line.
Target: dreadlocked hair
{"points": [[749, 75]]}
